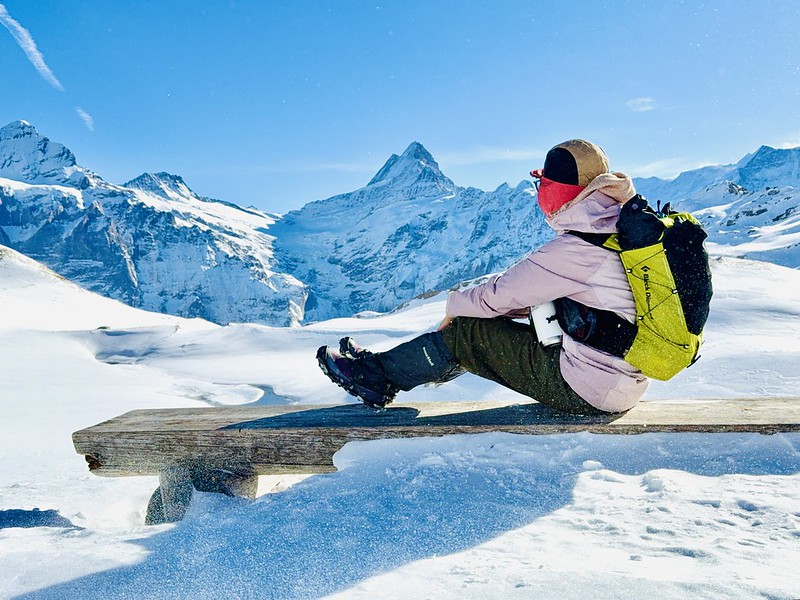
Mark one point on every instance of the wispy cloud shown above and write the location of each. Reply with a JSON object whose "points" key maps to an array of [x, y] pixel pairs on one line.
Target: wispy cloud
{"points": [[25, 41], [490, 154], [86, 118], [641, 104], [789, 141]]}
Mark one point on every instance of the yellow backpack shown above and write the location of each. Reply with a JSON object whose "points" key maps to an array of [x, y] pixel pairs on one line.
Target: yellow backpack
{"points": [[668, 271]]}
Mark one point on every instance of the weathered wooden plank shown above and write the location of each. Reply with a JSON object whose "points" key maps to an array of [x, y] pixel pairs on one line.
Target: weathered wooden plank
{"points": [[303, 439]]}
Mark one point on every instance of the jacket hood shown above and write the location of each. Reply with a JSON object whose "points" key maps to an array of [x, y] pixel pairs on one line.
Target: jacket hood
{"points": [[596, 208]]}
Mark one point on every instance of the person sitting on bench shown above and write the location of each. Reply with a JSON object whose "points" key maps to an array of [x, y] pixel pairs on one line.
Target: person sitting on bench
{"points": [[479, 334]]}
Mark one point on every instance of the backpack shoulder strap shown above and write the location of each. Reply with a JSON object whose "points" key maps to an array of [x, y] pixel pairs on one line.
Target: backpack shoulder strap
{"points": [[603, 240]]}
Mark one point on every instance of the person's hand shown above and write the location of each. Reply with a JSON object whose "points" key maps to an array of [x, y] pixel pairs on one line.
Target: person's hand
{"points": [[445, 323], [519, 313]]}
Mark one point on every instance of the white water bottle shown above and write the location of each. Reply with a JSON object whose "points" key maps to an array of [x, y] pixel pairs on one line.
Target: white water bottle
{"points": [[543, 318]]}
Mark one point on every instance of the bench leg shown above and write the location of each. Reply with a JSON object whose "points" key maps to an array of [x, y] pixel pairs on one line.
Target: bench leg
{"points": [[224, 481], [171, 499]]}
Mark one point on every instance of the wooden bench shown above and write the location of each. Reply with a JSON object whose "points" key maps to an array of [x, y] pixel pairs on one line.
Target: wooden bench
{"points": [[226, 449]]}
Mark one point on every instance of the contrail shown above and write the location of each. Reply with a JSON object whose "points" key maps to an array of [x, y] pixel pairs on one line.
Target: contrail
{"points": [[25, 41]]}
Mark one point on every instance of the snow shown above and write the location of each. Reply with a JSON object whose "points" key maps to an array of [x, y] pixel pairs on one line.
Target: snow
{"points": [[194, 211], [483, 516]]}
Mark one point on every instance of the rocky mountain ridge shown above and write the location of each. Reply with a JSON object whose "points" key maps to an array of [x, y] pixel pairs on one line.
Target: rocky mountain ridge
{"points": [[155, 244], [750, 209]]}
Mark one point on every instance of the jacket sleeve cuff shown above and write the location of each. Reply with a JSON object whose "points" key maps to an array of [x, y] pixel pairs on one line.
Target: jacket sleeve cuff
{"points": [[448, 309]]}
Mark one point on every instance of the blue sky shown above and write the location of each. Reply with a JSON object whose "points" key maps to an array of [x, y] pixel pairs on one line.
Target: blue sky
{"points": [[274, 104]]}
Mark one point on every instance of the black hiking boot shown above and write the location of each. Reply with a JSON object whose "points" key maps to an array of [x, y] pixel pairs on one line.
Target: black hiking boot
{"points": [[356, 377]]}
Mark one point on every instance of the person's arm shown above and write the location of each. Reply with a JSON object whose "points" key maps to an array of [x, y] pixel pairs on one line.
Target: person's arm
{"points": [[557, 269]]}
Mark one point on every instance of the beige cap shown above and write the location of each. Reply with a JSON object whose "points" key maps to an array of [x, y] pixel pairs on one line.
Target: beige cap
{"points": [[575, 162]]}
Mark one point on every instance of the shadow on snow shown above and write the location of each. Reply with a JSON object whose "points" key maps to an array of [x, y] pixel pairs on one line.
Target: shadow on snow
{"points": [[397, 501]]}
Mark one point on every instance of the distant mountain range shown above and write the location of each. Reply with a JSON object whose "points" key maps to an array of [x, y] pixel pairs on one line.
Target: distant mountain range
{"points": [[750, 209], [155, 244], [152, 242]]}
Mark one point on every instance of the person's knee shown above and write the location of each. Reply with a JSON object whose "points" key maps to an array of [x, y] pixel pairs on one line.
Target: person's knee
{"points": [[452, 332], [458, 321], [462, 324]]}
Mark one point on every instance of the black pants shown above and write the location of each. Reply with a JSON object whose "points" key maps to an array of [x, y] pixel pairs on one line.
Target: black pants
{"points": [[509, 353]]}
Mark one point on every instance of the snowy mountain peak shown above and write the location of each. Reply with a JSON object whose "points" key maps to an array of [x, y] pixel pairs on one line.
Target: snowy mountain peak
{"points": [[20, 140], [767, 156], [415, 164], [28, 156], [771, 166], [18, 129], [162, 184], [417, 151]]}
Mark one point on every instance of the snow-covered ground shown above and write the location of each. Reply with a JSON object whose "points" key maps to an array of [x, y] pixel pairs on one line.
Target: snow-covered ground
{"points": [[484, 516]]}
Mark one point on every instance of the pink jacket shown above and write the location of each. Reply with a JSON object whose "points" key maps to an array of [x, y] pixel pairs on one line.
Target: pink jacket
{"points": [[571, 267]]}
